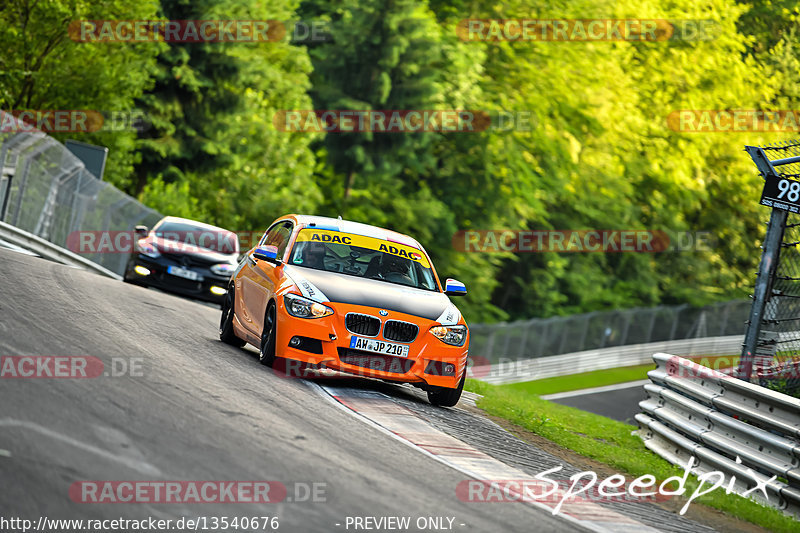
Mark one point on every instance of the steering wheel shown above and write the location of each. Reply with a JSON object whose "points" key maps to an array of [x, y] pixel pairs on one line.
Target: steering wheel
{"points": [[351, 267]]}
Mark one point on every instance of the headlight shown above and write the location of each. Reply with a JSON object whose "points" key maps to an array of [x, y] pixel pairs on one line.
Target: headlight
{"points": [[305, 308], [454, 335], [223, 269], [148, 249]]}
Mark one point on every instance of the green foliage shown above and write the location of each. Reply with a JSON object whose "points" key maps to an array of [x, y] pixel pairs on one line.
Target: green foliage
{"points": [[599, 153], [212, 108], [42, 68], [603, 157]]}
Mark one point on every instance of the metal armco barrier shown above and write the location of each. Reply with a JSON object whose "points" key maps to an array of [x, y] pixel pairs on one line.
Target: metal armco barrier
{"points": [[573, 363], [50, 251], [727, 425]]}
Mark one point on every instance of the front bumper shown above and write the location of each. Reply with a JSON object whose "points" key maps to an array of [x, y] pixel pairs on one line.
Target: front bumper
{"points": [[325, 342], [160, 279]]}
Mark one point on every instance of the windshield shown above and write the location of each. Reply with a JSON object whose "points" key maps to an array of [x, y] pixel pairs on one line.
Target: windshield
{"points": [[364, 257], [215, 239]]}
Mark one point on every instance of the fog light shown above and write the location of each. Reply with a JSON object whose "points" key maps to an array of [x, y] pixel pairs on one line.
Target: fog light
{"points": [[449, 369], [219, 291], [142, 271], [295, 342]]}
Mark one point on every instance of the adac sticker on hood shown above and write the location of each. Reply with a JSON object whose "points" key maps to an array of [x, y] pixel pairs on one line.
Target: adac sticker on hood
{"points": [[450, 316], [307, 289]]}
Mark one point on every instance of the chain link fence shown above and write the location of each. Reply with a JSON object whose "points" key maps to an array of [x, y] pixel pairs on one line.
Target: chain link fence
{"points": [[47, 191], [535, 338], [774, 324]]}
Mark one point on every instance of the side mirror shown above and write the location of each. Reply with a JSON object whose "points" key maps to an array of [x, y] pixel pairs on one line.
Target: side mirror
{"points": [[453, 287], [267, 253], [141, 231]]}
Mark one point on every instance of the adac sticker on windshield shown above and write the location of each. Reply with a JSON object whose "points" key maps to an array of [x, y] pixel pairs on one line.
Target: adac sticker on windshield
{"points": [[371, 243]]}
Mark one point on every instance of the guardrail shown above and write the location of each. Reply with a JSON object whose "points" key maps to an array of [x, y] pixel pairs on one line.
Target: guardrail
{"points": [[725, 425], [50, 251], [588, 360]]}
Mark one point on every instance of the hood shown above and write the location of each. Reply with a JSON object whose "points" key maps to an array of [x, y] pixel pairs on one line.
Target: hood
{"points": [[353, 290], [167, 246]]}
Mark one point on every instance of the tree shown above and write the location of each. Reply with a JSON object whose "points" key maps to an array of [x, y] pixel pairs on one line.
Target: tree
{"points": [[42, 68], [213, 138]]}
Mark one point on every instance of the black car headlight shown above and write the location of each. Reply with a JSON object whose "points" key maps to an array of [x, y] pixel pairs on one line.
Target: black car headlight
{"points": [[149, 249], [301, 307], [223, 269], [453, 335]]}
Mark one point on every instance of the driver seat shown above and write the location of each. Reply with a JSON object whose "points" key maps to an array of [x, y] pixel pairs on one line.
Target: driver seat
{"points": [[372, 267]]}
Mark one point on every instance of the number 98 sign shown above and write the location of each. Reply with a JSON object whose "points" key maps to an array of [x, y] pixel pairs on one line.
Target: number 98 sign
{"points": [[781, 193]]}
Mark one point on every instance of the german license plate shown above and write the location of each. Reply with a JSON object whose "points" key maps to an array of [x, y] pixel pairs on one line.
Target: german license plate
{"points": [[381, 347], [184, 273]]}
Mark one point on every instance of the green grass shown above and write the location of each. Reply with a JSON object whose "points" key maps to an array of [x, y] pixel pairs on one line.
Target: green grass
{"points": [[584, 380], [610, 376], [610, 442]]}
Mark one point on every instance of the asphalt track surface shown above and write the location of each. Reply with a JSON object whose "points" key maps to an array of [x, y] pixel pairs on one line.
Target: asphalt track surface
{"points": [[621, 404], [196, 409]]}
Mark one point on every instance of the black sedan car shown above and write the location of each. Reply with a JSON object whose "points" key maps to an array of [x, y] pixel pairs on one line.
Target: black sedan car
{"points": [[185, 257]]}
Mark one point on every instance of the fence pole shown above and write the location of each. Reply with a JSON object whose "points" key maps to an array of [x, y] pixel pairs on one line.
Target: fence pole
{"points": [[766, 270]]}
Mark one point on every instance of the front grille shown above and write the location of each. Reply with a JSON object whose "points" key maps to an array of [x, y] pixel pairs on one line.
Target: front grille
{"points": [[383, 363], [189, 261], [362, 324], [179, 283], [394, 330]]}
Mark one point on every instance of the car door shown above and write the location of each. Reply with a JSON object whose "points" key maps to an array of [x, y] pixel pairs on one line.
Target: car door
{"points": [[259, 278]]}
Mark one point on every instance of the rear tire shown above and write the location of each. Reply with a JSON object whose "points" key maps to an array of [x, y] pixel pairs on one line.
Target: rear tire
{"points": [[445, 397], [226, 333], [266, 354]]}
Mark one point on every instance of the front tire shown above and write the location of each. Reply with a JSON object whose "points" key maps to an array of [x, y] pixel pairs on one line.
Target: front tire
{"points": [[226, 333], [266, 355], [129, 277], [445, 397]]}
